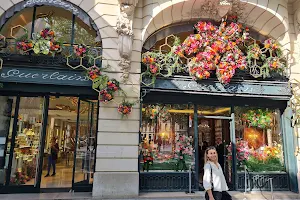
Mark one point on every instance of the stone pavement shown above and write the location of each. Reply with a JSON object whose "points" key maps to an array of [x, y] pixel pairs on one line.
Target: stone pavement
{"points": [[150, 196]]}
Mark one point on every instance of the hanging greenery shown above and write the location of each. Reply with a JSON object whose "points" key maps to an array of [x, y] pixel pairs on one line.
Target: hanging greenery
{"points": [[260, 118]]}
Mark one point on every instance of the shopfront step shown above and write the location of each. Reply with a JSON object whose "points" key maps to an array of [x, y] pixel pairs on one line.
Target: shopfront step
{"points": [[150, 196]]}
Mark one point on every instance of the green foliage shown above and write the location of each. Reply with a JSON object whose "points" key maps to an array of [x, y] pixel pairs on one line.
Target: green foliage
{"points": [[100, 82], [270, 164]]}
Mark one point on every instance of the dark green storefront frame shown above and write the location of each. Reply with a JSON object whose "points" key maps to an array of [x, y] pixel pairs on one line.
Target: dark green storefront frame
{"points": [[273, 95]]}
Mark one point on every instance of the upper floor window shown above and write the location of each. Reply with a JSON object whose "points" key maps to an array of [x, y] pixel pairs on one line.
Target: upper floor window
{"points": [[68, 28]]}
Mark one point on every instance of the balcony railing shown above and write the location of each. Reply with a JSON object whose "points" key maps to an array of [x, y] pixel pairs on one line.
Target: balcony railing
{"points": [[13, 56]]}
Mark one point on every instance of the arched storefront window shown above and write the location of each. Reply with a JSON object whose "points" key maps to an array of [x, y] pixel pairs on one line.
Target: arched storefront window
{"points": [[69, 28], [201, 97]]}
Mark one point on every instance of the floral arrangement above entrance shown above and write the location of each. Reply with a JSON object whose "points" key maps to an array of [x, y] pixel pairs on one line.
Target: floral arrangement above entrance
{"points": [[44, 42], [219, 50]]}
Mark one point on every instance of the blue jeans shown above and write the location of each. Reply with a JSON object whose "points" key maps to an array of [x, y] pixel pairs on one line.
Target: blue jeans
{"points": [[51, 162]]}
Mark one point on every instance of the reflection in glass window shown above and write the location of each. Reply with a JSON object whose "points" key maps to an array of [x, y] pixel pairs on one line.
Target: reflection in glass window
{"points": [[214, 111], [23, 18], [259, 143], [167, 138], [57, 19], [84, 34]]}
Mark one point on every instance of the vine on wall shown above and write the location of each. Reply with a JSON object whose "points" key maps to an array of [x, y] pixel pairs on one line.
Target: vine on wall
{"points": [[47, 43]]}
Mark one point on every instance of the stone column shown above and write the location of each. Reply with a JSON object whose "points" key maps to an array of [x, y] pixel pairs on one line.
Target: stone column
{"points": [[116, 172]]}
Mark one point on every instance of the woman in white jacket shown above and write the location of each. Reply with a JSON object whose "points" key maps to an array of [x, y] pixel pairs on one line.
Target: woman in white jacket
{"points": [[213, 180]]}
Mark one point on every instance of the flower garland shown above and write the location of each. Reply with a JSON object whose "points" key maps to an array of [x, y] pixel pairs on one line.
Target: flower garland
{"points": [[101, 83], [260, 118]]}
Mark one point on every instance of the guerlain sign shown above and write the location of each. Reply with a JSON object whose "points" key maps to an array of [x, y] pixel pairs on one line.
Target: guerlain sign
{"points": [[44, 76], [245, 88]]}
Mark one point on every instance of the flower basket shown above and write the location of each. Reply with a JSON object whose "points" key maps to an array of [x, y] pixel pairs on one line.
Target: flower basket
{"points": [[93, 72], [80, 50], [125, 108], [106, 96]]}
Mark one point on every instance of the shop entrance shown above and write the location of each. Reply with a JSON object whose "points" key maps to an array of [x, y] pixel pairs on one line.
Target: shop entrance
{"points": [[215, 131], [50, 143]]}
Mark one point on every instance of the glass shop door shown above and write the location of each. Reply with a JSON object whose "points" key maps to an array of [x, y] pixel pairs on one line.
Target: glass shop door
{"points": [[217, 131], [23, 149], [86, 132]]}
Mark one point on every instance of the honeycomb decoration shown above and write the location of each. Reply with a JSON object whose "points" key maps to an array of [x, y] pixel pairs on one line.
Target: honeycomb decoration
{"points": [[167, 63]]}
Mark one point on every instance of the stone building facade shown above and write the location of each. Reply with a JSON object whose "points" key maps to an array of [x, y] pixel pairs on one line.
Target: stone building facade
{"points": [[124, 26]]}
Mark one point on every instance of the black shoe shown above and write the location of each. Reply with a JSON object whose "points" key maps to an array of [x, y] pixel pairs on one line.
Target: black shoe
{"points": [[47, 175], [53, 174]]}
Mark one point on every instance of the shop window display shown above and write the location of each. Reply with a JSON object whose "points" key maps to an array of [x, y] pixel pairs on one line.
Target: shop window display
{"points": [[27, 141], [49, 21], [23, 18], [258, 139], [167, 138]]}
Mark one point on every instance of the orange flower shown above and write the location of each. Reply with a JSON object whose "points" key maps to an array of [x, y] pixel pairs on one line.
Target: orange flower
{"points": [[93, 76], [267, 46]]}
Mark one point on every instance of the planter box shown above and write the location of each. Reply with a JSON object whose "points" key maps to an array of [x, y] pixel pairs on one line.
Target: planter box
{"points": [[257, 181]]}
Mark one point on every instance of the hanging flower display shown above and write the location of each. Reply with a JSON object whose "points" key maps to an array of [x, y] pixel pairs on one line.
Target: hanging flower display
{"points": [[113, 85], [183, 149], [150, 62], [110, 87], [105, 96], [43, 42], [125, 108], [80, 50], [47, 33], [216, 51], [214, 48], [274, 64], [24, 46], [271, 44], [258, 118], [93, 72]]}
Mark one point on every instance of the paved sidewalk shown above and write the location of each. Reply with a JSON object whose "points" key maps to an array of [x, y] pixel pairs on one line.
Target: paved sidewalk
{"points": [[149, 196]]}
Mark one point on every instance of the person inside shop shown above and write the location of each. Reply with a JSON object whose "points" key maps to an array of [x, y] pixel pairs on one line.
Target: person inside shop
{"points": [[214, 181], [52, 157], [201, 154], [221, 150]]}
